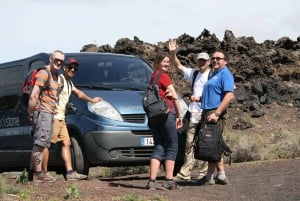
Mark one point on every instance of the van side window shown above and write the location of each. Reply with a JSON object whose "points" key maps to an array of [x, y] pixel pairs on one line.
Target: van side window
{"points": [[11, 80], [37, 64]]}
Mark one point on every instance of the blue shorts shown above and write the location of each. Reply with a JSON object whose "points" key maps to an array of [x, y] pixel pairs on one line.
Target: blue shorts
{"points": [[165, 139], [42, 128]]}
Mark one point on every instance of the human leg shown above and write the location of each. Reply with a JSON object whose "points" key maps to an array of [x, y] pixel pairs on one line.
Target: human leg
{"points": [[208, 179], [185, 170], [171, 145], [40, 152], [156, 158], [202, 169], [221, 177], [45, 159], [169, 168], [36, 158], [66, 154], [63, 137], [154, 167]]}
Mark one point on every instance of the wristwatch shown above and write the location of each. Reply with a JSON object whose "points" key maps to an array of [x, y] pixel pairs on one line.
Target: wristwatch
{"points": [[217, 114]]}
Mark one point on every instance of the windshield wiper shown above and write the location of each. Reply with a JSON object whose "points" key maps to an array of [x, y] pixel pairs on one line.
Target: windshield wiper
{"points": [[90, 86]]}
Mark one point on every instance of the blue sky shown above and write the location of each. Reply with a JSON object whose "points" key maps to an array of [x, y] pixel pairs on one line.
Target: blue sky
{"points": [[33, 26]]}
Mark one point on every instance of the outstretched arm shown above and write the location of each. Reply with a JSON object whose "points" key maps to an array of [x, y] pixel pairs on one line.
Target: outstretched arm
{"points": [[174, 59], [80, 94]]}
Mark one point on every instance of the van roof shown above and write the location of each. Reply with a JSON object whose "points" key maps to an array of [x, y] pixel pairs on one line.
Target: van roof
{"points": [[72, 54]]}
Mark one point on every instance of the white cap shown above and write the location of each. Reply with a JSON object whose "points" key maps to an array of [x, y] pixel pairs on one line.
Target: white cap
{"points": [[203, 55]]}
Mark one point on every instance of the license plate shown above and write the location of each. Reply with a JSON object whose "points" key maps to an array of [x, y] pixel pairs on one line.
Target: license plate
{"points": [[147, 141]]}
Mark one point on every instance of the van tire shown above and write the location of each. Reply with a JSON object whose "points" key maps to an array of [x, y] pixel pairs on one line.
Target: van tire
{"points": [[79, 160]]}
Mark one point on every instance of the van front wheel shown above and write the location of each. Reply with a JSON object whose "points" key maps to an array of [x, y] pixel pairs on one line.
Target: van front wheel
{"points": [[79, 160]]}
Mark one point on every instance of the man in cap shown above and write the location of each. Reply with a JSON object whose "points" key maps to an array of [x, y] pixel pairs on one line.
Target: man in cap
{"points": [[60, 131], [197, 78]]}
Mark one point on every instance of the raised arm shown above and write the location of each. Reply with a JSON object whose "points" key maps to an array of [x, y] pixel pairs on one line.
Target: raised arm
{"points": [[174, 59]]}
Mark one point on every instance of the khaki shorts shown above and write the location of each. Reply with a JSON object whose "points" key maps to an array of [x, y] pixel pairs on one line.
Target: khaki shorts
{"points": [[60, 131]]}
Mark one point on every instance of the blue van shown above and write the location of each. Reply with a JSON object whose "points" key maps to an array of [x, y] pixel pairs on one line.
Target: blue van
{"points": [[113, 132]]}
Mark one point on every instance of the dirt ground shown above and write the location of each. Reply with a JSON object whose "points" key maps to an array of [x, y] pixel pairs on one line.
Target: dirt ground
{"points": [[275, 180], [270, 180]]}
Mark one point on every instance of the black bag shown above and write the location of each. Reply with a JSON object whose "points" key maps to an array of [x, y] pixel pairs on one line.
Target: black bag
{"points": [[156, 107], [209, 144]]}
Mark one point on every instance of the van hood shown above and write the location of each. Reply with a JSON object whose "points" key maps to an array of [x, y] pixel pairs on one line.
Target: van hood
{"points": [[126, 102]]}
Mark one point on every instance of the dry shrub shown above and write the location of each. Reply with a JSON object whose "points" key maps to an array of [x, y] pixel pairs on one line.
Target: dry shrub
{"points": [[263, 146]]}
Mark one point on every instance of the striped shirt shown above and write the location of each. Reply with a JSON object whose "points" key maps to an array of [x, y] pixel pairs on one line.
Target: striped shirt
{"points": [[48, 97]]}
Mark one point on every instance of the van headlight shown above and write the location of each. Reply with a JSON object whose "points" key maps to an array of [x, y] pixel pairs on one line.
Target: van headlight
{"points": [[105, 109]]}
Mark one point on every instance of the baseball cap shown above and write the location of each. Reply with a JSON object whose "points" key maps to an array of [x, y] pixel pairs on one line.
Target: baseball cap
{"points": [[203, 55], [71, 61]]}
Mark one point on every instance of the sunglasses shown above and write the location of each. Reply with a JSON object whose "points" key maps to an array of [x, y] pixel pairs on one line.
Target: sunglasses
{"points": [[73, 67], [58, 61], [217, 58], [201, 60]]}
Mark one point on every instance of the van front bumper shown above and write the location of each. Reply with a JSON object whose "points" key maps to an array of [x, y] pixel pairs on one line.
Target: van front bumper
{"points": [[116, 148]]}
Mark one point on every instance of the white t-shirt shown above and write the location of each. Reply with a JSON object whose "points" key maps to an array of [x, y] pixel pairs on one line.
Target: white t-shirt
{"points": [[64, 96], [199, 82]]}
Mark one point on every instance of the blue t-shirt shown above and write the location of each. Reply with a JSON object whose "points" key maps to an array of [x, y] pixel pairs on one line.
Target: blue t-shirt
{"points": [[221, 81]]}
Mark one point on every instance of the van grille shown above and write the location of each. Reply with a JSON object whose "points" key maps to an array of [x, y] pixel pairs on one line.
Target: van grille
{"points": [[146, 132], [134, 118], [137, 152]]}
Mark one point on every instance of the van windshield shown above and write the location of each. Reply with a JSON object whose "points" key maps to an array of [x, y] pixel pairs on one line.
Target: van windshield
{"points": [[112, 72]]}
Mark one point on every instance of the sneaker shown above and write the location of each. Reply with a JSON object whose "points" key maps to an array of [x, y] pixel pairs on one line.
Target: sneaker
{"points": [[204, 181], [151, 185], [201, 175], [170, 185], [72, 176], [180, 177], [211, 181], [43, 177], [222, 182]]}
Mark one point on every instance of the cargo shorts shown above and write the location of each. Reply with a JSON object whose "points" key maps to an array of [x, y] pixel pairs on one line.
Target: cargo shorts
{"points": [[42, 128]]}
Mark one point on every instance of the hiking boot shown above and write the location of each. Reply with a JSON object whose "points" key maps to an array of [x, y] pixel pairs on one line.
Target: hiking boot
{"points": [[73, 175], [222, 182], [180, 177], [151, 185], [43, 177], [170, 185]]}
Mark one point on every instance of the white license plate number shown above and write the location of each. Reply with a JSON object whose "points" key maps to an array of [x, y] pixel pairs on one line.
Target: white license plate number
{"points": [[147, 141]]}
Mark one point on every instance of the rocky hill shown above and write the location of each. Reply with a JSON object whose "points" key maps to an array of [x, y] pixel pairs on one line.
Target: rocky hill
{"points": [[264, 73]]}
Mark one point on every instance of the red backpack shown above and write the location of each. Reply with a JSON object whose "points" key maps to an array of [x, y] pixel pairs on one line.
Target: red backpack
{"points": [[29, 83]]}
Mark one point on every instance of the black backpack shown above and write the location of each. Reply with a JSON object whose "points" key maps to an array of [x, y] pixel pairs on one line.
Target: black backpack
{"points": [[156, 107], [209, 144]]}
